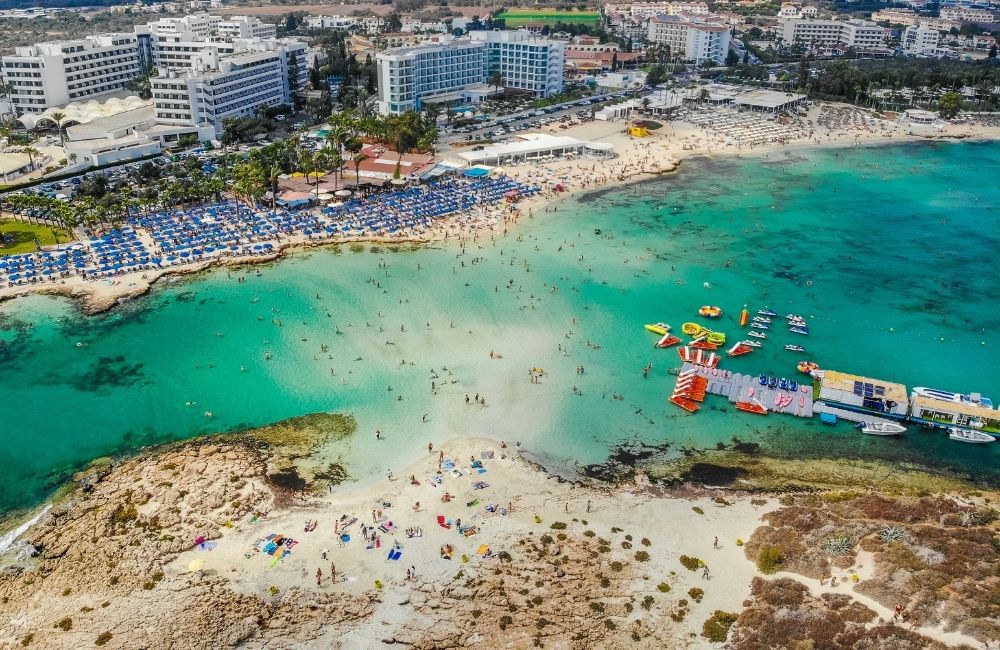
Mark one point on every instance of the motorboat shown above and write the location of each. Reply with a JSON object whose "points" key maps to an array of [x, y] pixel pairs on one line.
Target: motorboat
{"points": [[760, 326], [739, 350], [772, 381], [761, 319], [798, 330], [757, 335], [710, 311], [968, 435], [783, 384], [763, 380], [795, 348], [658, 328], [667, 341], [753, 344], [766, 311], [882, 428], [795, 317], [958, 398], [752, 407], [807, 367]]}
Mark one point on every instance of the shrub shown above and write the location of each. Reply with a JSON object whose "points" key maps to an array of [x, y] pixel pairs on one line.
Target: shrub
{"points": [[739, 541], [716, 628], [608, 623], [65, 625], [645, 542], [786, 500], [558, 525], [698, 510], [642, 556], [839, 545], [616, 566], [696, 594], [647, 602], [889, 534], [505, 621], [67, 591], [27, 639], [770, 559], [561, 537], [589, 533], [663, 587], [545, 539], [597, 607], [102, 638], [690, 563], [626, 545]]}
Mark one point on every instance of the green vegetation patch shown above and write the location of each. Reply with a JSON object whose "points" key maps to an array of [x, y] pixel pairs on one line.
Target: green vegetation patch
{"points": [[520, 17], [19, 237]]}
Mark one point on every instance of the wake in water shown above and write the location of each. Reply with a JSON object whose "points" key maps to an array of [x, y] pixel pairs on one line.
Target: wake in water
{"points": [[7, 540]]}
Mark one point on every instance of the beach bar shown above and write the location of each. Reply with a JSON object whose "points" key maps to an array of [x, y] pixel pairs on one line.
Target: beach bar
{"points": [[861, 394], [943, 409]]}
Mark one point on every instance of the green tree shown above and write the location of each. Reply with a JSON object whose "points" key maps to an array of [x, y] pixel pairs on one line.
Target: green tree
{"points": [[949, 104], [496, 80], [249, 183]]}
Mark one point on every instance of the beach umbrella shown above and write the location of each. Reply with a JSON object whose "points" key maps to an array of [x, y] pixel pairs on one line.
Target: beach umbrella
{"points": [[196, 565], [343, 192]]}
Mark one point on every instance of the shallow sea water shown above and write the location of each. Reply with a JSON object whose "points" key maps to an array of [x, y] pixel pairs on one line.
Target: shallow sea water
{"points": [[890, 252]]}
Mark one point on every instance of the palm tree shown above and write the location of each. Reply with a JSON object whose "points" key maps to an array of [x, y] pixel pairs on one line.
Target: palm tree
{"points": [[58, 118], [337, 162], [357, 159], [496, 80], [32, 152]]}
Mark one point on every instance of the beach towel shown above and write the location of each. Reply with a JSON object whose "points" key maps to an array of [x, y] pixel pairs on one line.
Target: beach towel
{"points": [[483, 549], [441, 522], [491, 507], [480, 485], [476, 464], [457, 473], [395, 554], [470, 531], [474, 502], [486, 455], [207, 546], [448, 464], [481, 470]]}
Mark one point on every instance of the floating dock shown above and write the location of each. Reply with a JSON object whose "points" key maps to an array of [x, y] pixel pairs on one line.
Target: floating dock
{"points": [[736, 387], [850, 416]]}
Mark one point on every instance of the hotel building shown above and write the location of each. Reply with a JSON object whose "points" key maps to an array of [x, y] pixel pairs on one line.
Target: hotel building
{"points": [[54, 74], [458, 70], [691, 39]]}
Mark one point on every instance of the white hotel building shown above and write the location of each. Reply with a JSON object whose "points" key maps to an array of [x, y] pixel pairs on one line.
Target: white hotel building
{"points": [[55, 74], [691, 39], [215, 87], [208, 68], [458, 70], [826, 32]]}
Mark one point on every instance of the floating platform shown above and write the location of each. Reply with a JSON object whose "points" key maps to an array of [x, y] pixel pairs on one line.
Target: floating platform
{"points": [[736, 387], [850, 416]]}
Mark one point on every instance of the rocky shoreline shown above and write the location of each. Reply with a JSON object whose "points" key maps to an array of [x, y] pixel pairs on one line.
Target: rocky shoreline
{"points": [[115, 561]]}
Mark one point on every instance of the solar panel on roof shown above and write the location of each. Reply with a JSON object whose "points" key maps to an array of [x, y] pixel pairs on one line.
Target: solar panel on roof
{"points": [[857, 390]]}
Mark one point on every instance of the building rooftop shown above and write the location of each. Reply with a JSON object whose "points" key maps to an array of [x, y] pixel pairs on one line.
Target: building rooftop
{"points": [[965, 408], [766, 98], [849, 383]]}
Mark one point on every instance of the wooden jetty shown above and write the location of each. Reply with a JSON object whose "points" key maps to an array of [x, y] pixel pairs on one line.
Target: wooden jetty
{"points": [[737, 387]]}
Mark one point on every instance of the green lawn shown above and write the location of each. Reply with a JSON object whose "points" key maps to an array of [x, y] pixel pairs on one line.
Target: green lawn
{"points": [[19, 237], [520, 17]]}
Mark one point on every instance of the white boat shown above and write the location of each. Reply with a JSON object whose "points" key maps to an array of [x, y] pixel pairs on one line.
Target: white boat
{"points": [[766, 312], [795, 348], [758, 335], [968, 435], [753, 344], [761, 319], [882, 428], [795, 317]]}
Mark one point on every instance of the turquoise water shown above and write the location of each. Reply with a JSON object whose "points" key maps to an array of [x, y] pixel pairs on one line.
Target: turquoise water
{"points": [[890, 252]]}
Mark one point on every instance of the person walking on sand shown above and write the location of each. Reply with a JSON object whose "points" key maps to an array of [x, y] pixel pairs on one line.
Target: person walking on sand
{"points": [[588, 505], [319, 577], [715, 544], [704, 573], [333, 572]]}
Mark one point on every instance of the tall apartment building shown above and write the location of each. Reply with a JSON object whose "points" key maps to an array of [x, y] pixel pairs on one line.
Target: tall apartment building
{"points": [[54, 74], [457, 70], [920, 39], [246, 27], [826, 32], [260, 73], [526, 63], [690, 39], [897, 16]]}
